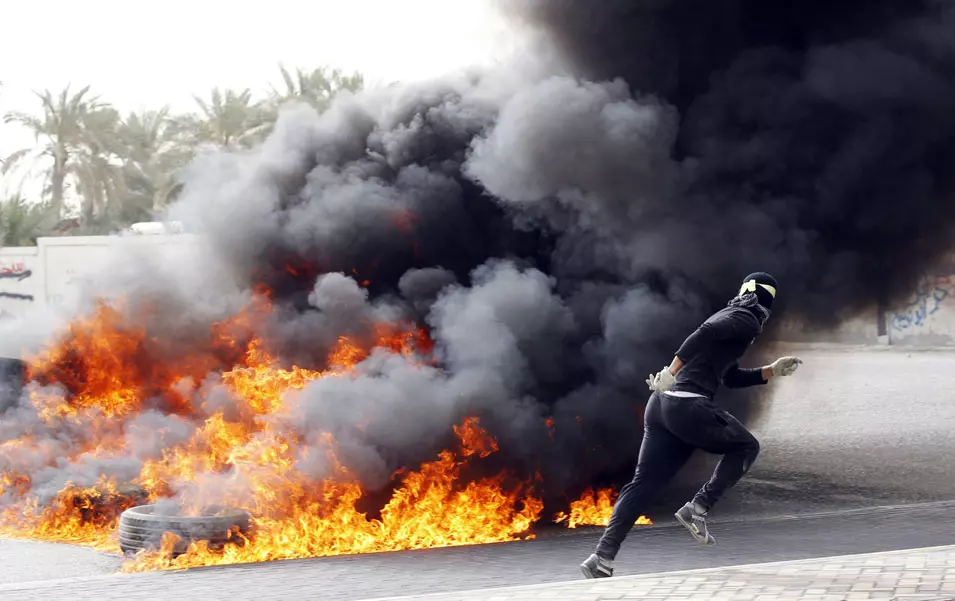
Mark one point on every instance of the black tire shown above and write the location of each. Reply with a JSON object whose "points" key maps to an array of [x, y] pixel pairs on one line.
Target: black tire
{"points": [[12, 380], [140, 529]]}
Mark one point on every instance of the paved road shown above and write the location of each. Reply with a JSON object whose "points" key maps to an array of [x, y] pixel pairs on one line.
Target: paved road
{"points": [[852, 429], [650, 550], [26, 561], [873, 423]]}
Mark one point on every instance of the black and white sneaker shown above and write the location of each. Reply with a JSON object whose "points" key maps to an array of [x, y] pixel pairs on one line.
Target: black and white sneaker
{"points": [[597, 567], [693, 519]]}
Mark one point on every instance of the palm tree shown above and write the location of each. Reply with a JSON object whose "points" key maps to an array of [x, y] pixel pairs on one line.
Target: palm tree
{"points": [[60, 132], [228, 119], [21, 222], [316, 87], [97, 170], [153, 150]]}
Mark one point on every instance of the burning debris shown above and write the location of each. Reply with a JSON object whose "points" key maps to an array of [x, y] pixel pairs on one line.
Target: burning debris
{"points": [[102, 506], [424, 316], [303, 501], [79, 515]]}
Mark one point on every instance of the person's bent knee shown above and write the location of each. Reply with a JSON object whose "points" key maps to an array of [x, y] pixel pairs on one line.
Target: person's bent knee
{"points": [[751, 453]]}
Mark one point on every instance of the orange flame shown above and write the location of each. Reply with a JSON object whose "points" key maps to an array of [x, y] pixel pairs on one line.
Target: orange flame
{"points": [[594, 509], [549, 422], [80, 515], [112, 367], [430, 508]]}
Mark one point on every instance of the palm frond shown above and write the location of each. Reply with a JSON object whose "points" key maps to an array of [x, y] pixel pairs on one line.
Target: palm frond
{"points": [[13, 159]]}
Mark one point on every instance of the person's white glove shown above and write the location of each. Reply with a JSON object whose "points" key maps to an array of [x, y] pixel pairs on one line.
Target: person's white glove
{"points": [[785, 366], [662, 381]]}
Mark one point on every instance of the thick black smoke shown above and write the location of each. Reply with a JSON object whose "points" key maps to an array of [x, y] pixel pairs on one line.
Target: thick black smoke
{"points": [[815, 136], [561, 227]]}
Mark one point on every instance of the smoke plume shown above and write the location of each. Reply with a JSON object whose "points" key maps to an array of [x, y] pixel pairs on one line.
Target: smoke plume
{"points": [[560, 227]]}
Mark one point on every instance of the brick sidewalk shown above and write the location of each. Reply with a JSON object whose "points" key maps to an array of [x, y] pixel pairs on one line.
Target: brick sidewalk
{"points": [[916, 574]]}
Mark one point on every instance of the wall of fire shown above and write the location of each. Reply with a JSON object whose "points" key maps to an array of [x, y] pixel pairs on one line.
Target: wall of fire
{"points": [[53, 273]]}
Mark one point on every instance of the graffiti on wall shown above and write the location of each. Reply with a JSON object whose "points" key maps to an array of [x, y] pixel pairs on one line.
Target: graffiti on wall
{"points": [[928, 299], [17, 296], [16, 271]]}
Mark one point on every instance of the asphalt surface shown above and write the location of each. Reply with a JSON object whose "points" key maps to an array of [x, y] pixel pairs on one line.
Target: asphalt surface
{"points": [[649, 550], [854, 428], [27, 561], [859, 425]]}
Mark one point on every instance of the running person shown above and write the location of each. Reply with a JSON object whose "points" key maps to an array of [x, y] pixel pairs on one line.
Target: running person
{"points": [[681, 417]]}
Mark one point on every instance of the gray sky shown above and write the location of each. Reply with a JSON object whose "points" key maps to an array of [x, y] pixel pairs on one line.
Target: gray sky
{"points": [[149, 53]]}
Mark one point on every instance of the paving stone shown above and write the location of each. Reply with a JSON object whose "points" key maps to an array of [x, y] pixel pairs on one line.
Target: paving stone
{"points": [[792, 581]]}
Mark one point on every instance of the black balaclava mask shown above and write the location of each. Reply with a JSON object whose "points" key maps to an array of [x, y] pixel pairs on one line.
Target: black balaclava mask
{"points": [[757, 294]]}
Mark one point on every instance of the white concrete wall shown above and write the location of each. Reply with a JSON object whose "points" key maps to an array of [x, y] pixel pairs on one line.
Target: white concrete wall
{"points": [[22, 283], [927, 317], [859, 329], [50, 274]]}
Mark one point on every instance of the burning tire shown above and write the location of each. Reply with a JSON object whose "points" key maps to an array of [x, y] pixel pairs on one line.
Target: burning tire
{"points": [[12, 380], [142, 529]]}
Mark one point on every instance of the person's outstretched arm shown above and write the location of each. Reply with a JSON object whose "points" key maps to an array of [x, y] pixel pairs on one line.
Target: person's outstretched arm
{"points": [[737, 377]]}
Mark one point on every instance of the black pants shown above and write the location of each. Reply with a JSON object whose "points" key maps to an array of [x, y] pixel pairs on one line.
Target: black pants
{"points": [[673, 428]]}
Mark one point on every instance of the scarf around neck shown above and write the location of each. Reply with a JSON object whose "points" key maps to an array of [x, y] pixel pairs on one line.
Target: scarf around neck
{"points": [[751, 302]]}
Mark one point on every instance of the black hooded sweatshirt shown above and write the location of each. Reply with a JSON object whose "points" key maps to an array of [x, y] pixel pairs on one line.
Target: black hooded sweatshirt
{"points": [[711, 354]]}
